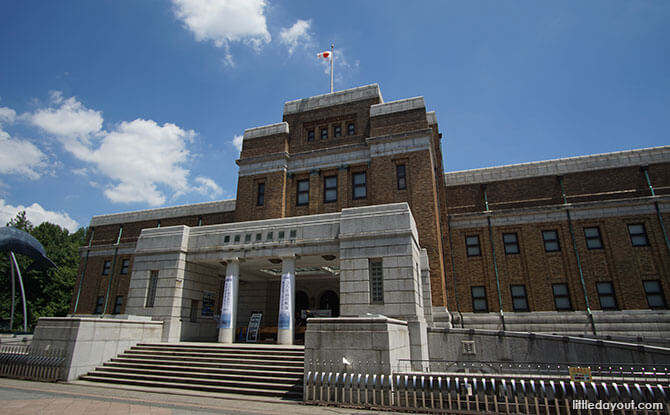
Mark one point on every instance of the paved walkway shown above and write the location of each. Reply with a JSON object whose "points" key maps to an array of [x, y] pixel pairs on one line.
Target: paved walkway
{"points": [[26, 398]]}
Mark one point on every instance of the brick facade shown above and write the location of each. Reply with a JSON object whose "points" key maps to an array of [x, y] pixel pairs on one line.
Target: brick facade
{"points": [[362, 134]]}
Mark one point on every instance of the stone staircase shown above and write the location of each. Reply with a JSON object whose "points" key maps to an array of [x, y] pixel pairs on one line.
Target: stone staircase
{"points": [[261, 370]]}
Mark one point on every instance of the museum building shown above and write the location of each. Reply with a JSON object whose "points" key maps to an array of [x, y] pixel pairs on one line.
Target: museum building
{"points": [[344, 209]]}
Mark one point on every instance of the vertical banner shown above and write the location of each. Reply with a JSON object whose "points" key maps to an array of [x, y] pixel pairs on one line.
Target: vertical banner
{"points": [[285, 301], [227, 307]]}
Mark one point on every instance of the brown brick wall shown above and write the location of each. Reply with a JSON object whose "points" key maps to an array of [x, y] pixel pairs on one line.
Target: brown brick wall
{"points": [[246, 207], [299, 123], [626, 266], [259, 146], [398, 122]]}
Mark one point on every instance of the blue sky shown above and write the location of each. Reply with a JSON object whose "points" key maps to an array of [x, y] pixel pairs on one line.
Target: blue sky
{"points": [[109, 106]]}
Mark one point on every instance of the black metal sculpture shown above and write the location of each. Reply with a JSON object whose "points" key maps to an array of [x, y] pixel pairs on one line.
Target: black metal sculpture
{"points": [[13, 240]]}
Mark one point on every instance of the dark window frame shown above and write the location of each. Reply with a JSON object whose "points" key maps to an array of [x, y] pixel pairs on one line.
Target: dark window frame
{"points": [[469, 246], [260, 194], [477, 298], [329, 189], [351, 128], [606, 295], [107, 267], [323, 133], [376, 270], [99, 304], [311, 134], [511, 247], [118, 303], [401, 176], [635, 236], [593, 241], [549, 241], [337, 130], [355, 186], [151, 289], [561, 296], [125, 266], [516, 297], [302, 192], [658, 294]]}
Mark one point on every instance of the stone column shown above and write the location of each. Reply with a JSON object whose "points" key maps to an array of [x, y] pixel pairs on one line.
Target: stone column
{"points": [[229, 303], [286, 302]]}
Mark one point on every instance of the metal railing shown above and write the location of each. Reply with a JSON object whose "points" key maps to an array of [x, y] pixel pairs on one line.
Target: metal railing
{"points": [[25, 362], [630, 371], [483, 393]]}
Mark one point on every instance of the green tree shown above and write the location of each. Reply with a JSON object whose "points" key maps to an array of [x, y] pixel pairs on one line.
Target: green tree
{"points": [[48, 292]]}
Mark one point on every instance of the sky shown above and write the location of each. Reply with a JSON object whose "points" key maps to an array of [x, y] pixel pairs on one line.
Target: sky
{"points": [[117, 105]]}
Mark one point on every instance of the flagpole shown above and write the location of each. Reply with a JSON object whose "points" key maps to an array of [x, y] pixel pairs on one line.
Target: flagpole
{"points": [[332, 58]]}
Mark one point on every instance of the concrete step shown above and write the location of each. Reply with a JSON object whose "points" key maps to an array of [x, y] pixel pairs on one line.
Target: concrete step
{"points": [[249, 357], [213, 359], [292, 393], [205, 367], [245, 369], [184, 372]]}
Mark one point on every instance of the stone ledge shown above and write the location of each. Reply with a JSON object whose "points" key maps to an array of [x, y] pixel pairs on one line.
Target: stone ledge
{"points": [[266, 130], [397, 106], [165, 212], [336, 98]]}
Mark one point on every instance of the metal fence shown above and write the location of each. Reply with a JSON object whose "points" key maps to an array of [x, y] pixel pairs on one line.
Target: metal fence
{"points": [[484, 393], [24, 362]]}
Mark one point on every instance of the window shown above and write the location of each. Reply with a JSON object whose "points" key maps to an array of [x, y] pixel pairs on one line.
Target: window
{"points": [[606, 295], [592, 236], [106, 267], [117, 304], [511, 242], [259, 236], [310, 135], [330, 189], [303, 192], [376, 282], [324, 133], [260, 194], [151, 289], [125, 265], [519, 298], [351, 128], [269, 236], [551, 243], [360, 185], [247, 238], [638, 235], [654, 292], [194, 311], [292, 234], [237, 238], [472, 245], [479, 303], [226, 239], [337, 131], [561, 297], [99, 303], [281, 235], [401, 176]]}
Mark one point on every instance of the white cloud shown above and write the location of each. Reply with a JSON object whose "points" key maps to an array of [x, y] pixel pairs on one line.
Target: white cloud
{"points": [[225, 21], [208, 187], [7, 115], [18, 156], [237, 142], [36, 214], [73, 123], [143, 160], [296, 35]]}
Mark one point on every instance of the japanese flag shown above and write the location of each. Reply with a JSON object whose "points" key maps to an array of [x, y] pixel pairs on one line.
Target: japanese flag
{"points": [[325, 55]]}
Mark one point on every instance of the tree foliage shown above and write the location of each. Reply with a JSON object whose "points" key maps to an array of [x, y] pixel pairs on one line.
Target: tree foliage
{"points": [[48, 292]]}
